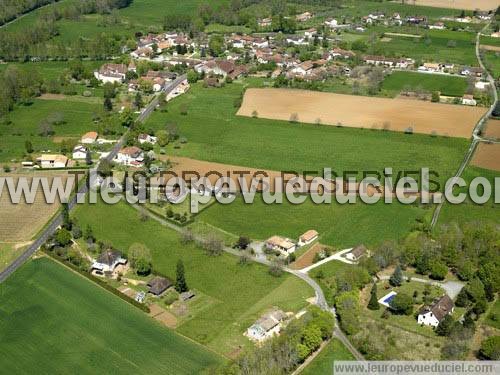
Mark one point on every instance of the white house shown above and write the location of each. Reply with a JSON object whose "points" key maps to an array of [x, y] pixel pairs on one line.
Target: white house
{"points": [[89, 138], [331, 23], [112, 73], [308, 237], [437, 26], [52, 161], [432, 315], [133, 156], [267, 326], [284, 245], [482, 85], [303, 69], [146, 138], [107, 262], [469, 100], [80, 152]]}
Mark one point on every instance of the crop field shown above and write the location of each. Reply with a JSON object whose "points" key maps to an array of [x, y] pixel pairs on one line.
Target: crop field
{"points": [[493, 63], [20, 222], [361, 112], [55, 321], [323, 363], [238, 294], [335, 223], [215, 134], [401, 81], [492, 129], [460, 4], [26, 120], [487, 156]]}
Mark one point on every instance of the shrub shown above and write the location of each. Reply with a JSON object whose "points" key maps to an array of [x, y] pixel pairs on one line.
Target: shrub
{"points": [[170, 297]]}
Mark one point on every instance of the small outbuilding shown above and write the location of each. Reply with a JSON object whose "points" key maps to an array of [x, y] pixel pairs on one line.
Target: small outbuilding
{"points": [[158, 285]]}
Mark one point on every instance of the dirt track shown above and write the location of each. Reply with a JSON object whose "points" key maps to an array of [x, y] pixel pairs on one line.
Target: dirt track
{"points": [[487, 156], [460, 4], [362, 112]]}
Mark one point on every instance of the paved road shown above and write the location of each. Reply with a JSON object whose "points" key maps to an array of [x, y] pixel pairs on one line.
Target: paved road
{"points": [[57, 220], [477, 129]]}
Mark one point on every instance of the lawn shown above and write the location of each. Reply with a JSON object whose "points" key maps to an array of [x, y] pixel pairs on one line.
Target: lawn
{"points": [[214, 133], [54, 321], [335, 223], [323, 363], [26, 120], [239, 294], [493, 63], [447, 85], [434, 47]]}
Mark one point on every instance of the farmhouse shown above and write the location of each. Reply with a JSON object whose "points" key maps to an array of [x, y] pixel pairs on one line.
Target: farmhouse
{"points": [[281, 244], [331, 23], [469, 100], [308, 237], [433, 314], [303, 69], [52, 161], [356, 253], [437, 26], [142, 52], [267, 326], [108, 261], [80, 152], [158, 285], [89, 138], [133, 156], [339, 52], [112, 73]]}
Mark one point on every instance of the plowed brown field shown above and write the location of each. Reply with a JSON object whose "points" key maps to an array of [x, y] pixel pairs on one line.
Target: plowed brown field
{"points": [[362, 112]]}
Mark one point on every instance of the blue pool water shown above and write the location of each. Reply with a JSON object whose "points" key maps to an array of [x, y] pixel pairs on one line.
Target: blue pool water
{"points": [[389, 299]]}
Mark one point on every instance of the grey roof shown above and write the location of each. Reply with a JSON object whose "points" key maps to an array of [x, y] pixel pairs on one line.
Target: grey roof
{"points": [[109, 257], [158, 285]]}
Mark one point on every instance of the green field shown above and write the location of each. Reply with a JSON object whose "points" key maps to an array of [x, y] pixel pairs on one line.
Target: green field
{"points": [[323, 363], [48, 70], [335, 223], [55, 321], [493, 63], [434, 47], [214, 133], [26, 120], [238, 294], [447, 85]]}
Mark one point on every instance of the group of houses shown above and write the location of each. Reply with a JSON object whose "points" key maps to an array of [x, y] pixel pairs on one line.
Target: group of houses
{"points": [[287, 246]]}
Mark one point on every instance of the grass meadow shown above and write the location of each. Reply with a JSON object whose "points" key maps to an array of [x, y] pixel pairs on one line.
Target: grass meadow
{"points": [[26, 120], [323, 363], [214, 133], [239, 294], [447, 85], [55, 321], [339, 225]]}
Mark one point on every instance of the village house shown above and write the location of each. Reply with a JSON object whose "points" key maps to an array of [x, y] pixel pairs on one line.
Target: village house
{"points": [[284, 245], [356, 253], [311, 33], [416, 20], [303, 69], [89, 138], [112, 73], [297, 40], [308, 237], [303, 17], [180, 89], [142, 52], [430, 67], [331, 23], [265, 22], [52, 161], [267, 326], [472, 71], [80, 152], [437, 26], [157, 285], [132, 156], [107, 262], [146, 138], [339, 52], [469, 100], [432, 315]]}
